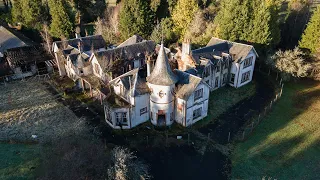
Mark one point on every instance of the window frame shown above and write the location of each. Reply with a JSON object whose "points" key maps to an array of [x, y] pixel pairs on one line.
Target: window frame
{"points": [[233, 76], [143, 110], [245, 77], [198, 94], [197, 113], [121, 117], [216, 82], [248, 62], [96, 68]]}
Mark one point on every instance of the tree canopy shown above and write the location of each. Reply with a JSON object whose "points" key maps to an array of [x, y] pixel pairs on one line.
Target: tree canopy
{"points": [[253, 21], [136, 17], [311, 36], [183, 14], [61, 25]]}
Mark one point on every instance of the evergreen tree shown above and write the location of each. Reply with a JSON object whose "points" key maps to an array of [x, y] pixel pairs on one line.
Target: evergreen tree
{"points": [[136, 17], [311, 36], [183, 15], [164, 28], [254, 21], [60, 24], [232, 19], [16, 11], [33, 13]]}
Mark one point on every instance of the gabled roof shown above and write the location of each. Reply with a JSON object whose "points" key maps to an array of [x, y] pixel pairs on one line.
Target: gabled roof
{"points": [[131, 40], [238, 51], [8, 40], [26, 54], [133, 83], [186, 85], [129, 52], [88, 42], [162, 73]]}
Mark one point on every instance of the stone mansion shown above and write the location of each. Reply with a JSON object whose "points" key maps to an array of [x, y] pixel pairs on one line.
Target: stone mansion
{"points": [[140, 80]]}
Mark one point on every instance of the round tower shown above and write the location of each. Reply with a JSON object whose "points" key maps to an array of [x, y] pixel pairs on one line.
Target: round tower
{"points": [[161, 83]]}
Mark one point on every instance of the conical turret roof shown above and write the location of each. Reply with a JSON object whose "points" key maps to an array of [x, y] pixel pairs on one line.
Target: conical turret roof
{"points": [[162, 73]]}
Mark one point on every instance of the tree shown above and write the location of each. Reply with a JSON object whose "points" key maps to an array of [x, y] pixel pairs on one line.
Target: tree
{"points": [[183, 15], [253, 21], [46, 37], [60, 24], [136, 17], [311, 37], [30, 13], [290, 63], [164, 28], [125, 166], [16, 11]]}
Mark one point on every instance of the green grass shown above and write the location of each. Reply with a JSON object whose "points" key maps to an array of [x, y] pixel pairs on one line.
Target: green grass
{"points": [[286, 144], [224, 98], [18, 161]]}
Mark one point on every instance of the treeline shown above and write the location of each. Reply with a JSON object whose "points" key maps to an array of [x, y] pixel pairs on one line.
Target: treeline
{"points": [[267, 24]]}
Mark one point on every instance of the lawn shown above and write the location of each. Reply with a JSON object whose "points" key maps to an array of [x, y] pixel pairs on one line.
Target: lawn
{"points": [[224, 98], [18, 161], [286, 144]]}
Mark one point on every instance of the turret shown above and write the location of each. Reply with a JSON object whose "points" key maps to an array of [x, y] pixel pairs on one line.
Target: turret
{"points": [[162, 83]]}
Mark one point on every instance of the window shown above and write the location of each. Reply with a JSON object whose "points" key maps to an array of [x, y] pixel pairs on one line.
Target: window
{"points": [[207, 71], [108, 115], [216, 83], [247, 62], [232, 78], [198, 94], [172, 116], [26, 68], [245, 77], [197, 113], [217, 68], [224, 80], [97, 68], [121, 118], [143, 111]]}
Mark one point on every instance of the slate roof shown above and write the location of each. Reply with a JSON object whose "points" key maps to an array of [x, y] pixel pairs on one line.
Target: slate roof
{"points": [[8, 40], [137, 86], [132, 40], [238, 51], [162, 73], [26, 55], [129, 52], [186, 85], [88, 42]]}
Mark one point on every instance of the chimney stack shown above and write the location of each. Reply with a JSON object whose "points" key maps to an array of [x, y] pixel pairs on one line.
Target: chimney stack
{"points": [[186, 47]]}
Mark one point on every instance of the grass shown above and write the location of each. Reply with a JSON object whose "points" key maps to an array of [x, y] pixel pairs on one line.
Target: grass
{"points": [[286, 144], [224, 98], [18, 161]]}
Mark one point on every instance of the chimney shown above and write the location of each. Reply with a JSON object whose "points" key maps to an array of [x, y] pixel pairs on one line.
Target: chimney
{"points": [[150, 64], [78, 30], [80, 46], [186, 47]]}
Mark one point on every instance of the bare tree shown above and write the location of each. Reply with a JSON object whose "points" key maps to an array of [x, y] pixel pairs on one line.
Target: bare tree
{"points": [[46, 37], [126, 166]]}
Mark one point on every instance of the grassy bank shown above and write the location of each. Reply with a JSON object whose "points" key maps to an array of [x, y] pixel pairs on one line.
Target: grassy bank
{"points": [[224, 98], [18, 161], [286, 145]]}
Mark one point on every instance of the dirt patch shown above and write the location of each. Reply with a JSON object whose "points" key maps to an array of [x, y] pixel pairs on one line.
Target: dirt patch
{"points": [[27, 108]]}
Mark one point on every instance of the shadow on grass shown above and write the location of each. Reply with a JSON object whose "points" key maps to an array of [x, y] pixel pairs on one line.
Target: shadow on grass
{"points": [[286, 144]]}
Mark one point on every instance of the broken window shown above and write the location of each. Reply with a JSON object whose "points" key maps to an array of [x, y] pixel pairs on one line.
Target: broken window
{"points": [[248, 62], [198, 94], [245, 77], [143, 111], [197, 113], [232, 78], [216, 83], [121, 118]]}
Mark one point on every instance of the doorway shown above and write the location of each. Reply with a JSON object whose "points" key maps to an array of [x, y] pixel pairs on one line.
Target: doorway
{"points": [[161, 120]]}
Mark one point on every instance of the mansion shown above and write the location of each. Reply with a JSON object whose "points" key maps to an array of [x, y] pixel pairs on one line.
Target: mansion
{"points": [[140, 80]]}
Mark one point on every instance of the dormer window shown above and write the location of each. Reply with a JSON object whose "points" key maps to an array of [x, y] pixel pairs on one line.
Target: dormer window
{"points": [[198, 94], [97, 68], [247, 62]]}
